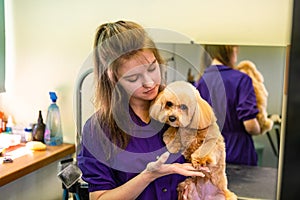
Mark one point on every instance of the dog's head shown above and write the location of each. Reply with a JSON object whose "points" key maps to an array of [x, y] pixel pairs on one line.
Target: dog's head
{"points": [[180, 105]]}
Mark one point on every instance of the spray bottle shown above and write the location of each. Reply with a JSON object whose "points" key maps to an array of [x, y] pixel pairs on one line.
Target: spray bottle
{"points": [[53, 132]]}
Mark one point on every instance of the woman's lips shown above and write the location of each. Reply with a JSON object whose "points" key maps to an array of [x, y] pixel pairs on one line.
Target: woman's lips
{"points": [[150, 90]]}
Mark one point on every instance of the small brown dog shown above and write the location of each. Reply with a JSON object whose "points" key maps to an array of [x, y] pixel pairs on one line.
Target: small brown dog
{"points": [[261, 93], [194, 132]]}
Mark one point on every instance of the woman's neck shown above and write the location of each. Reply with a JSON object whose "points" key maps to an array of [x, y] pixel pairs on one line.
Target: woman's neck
{"points": [[141, 109], [216, 62]]}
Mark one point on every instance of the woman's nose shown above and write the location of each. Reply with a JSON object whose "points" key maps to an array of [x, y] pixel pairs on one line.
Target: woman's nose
{"points": [[148, 84], [147, 81]]}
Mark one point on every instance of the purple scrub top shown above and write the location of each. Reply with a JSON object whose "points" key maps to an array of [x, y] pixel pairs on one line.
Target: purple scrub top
{"points": [[231, 95], [144, 146]]}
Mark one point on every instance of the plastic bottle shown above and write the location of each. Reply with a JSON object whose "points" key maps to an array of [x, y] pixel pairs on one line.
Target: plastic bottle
{"points": [[28, 134], [9, 124], [53, 133], [39, 129]]}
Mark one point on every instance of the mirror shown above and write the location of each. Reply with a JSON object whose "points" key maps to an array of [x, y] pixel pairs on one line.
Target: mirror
{"points": [[269, 60]]}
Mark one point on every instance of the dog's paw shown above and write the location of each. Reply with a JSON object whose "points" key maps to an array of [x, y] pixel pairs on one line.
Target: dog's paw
{"points": [[201, 162]]}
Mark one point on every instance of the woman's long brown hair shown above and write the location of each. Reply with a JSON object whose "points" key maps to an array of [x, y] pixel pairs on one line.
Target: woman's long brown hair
{"points": [[114, 43]]}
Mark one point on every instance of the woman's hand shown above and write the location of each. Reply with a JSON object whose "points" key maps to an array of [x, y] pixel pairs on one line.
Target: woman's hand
{"points": [[159, 168], [252, 126], [154, 170]]}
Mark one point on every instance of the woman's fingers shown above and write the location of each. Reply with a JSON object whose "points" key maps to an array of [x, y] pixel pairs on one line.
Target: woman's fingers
{"points": [[185, 169], [190, 167]]}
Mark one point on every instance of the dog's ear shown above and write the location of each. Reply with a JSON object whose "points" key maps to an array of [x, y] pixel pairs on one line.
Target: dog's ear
{"points": [[203, 115], [256, 74], [249, 68], [157, 105]]}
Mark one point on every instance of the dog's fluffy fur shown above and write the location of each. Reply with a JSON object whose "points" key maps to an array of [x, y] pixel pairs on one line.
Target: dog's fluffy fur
{"points": [[261, 93], [194, 132]]}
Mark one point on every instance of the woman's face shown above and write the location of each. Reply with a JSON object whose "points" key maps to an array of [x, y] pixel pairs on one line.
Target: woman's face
{"points": [[140, 76]]}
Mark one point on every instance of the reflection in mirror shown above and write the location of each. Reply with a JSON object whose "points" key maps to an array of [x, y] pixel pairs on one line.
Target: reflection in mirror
{"points": [[269, 60]]}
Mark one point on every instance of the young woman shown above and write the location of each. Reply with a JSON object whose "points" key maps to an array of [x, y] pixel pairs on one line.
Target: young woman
{"points": [[232, 97], [122, 154]]}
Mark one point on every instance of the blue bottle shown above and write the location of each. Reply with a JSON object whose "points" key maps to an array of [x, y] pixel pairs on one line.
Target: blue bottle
{"points": [[53, 133]]}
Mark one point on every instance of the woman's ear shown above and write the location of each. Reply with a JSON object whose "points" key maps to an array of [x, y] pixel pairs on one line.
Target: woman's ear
{"points": [[110, 75], [203, 115]]}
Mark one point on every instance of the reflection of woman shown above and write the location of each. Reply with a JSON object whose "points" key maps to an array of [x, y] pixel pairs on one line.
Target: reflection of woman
{"points": [[232, 97], [120, 139]]}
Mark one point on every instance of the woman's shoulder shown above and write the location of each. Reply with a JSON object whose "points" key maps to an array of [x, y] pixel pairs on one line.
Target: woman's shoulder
{"points": [[245, 78], [238, 76], [93, 126], [90, 121]]}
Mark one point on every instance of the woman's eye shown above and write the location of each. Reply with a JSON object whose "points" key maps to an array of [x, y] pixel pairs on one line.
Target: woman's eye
{"points": [[152, 67], [132, 78], [183, 107], [169, 104]]}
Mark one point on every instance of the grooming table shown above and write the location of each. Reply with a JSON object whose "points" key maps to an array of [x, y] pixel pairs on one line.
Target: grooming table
{"points": [[251, 182]]}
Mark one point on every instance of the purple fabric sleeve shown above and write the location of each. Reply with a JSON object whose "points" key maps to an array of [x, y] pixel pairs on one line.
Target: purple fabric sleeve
{"points": [[246, 106]]}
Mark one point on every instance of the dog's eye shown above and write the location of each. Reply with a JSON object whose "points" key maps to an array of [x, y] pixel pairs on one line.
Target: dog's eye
{"points": [[183, 107], [169, 104]]}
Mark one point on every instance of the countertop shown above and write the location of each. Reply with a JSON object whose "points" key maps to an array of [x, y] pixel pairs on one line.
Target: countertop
{"points": [[252, 182], [28, 161]]}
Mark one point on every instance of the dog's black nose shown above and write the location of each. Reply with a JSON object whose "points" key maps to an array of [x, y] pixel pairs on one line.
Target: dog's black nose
{"points": [[172, 118]]}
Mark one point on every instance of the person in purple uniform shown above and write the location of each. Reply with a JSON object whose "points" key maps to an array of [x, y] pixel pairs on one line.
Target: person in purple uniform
{"points": [[122, 154], [231, 95]]}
